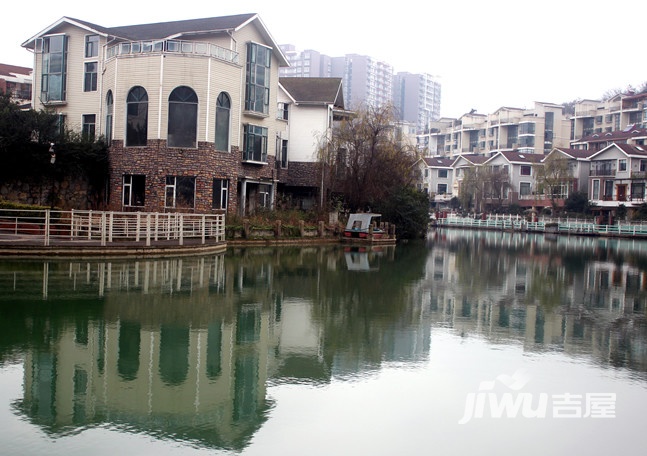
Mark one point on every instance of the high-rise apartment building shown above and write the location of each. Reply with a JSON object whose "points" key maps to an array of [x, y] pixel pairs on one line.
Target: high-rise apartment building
{"points": [[366, 81], [305, 64], [417, 99]]}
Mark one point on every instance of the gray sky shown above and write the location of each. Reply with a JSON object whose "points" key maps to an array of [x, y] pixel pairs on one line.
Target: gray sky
{"points": [[487, 54]]}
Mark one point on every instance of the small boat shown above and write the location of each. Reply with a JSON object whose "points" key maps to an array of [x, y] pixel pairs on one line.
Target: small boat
{"points": [[363, 228]]}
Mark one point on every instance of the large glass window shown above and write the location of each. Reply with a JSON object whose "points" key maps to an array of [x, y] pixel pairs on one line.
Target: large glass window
{"points": [[182, 117], [220, 193], [134, 190], [89, 126], [137, 117], [90, 77], [525, 170], [180, 192], [223, 111], [255, 144], [257, 93], [54, 61], [638, 191], [442, 173]]}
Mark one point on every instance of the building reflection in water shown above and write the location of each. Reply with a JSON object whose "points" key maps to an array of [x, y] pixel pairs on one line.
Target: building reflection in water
{"points": [[185, 348]]}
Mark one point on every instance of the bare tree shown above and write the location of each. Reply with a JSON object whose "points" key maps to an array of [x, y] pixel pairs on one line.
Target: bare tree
{"points": [[552, 177], [364, 160]]}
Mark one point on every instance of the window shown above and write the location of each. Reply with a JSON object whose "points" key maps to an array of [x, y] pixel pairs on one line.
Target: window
{"points": [[525, 170], [255, 144], [257, 93], [442, 189], [595, 192], [638, 191], [622, 164], [137, 117], [442, 173], [220, 193], [524, 188], [110, 106], [608, 190], [134, 190], [180, 192], [54, 61], [282, 111], [182, 118], [89, 125], [91, 46], [223, 110], [90, 77], [284, 153], [643, 165]]}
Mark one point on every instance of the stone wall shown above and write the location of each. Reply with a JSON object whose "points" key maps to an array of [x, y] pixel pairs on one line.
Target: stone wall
{"points": [[64, 193]]}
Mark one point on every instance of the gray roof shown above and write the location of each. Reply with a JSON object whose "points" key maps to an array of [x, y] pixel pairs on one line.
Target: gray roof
{"points": [[323, 91]]}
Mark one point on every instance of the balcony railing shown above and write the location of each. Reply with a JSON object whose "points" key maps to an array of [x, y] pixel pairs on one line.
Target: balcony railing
{"points": [[602, 172], [172, 47]]}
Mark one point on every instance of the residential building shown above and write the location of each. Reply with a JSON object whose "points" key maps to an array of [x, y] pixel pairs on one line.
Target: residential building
{"points": [[620, 113], [618, 178], [513, 181], [366, 81], [16, 81], [313, 105], [189, 107], [305, 64], [437, 179], [528, 131], [598, 141], [579, 166], [417, 99]]}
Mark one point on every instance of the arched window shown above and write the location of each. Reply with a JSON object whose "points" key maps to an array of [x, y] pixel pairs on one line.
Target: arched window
{"points": [[223, 109], [182, 117], [137, 117], [110, 106]]}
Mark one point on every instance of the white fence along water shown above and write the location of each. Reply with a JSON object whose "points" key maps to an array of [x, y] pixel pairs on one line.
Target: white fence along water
{"points": [[45, 227]]}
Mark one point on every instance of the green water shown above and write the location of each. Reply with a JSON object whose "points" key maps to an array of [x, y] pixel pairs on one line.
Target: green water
{"points": [[330, 350]]}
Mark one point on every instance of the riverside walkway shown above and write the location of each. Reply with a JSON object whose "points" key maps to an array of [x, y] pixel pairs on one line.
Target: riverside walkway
{"points": [[549, 226], [27, 233]]}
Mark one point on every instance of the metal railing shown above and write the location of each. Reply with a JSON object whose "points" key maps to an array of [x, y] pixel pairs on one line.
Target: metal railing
{"points": [[46, 227], [564, 226]]}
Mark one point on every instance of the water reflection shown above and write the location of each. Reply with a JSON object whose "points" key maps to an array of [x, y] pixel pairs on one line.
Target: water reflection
{"points": [[582, 296], [185, 349]]}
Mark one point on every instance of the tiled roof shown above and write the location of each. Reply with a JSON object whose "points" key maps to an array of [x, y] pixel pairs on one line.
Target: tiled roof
{"points": [[13, 70], [314, 90], [522, 157], [576, 153], [629, 132], [441, 162]]}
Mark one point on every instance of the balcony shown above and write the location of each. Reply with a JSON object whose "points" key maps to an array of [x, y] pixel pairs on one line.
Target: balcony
{"points": [[602, 172], [137, 48]]}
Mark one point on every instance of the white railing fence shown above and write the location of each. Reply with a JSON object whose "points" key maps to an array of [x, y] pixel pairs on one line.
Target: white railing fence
{"points": [[46, 226]]}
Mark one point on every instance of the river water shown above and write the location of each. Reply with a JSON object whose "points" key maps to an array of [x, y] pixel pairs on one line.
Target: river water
{"points": [[471, 342]]}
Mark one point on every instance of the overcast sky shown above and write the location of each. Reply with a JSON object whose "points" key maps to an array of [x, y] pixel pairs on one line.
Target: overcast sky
{"points": [[487, 53]]}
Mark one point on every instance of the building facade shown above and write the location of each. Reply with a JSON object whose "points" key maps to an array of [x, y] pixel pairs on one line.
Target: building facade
{"points": [[189, 108], [417, 99], [529, 131]]}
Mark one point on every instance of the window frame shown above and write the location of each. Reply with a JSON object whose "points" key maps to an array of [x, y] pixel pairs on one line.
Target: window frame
{"points": [[91, 46], [182, 123], [255, 136], [175, 184], [223, 128], [528, 168], [88, 126], [220, 194], [133, 185], [257, 81], [58, 73], [136, 138], [90, 78]]}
